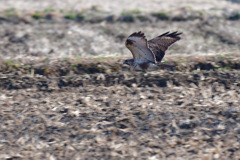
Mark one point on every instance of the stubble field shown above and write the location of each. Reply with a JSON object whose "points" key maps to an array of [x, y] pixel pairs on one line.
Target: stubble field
{"points": [[65, 94]]}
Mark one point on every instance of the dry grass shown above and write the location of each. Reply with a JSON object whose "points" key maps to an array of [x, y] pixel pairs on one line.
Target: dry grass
{"points": [[65, 93]]}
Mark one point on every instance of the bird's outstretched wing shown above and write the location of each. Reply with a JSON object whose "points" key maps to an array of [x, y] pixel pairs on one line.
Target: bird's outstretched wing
{"points": [[161, 43], [137, 44]]}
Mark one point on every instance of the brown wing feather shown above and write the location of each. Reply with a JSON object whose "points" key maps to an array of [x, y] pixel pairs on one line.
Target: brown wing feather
{"points": [[137, 44], [161, 43]]}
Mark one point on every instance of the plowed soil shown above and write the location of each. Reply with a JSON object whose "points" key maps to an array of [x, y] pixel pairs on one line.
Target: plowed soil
{"points": [[158, 115], [61, 98]]}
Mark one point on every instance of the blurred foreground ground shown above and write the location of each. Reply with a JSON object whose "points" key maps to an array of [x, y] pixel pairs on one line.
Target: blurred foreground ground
{"points": [[121, 116], [64, 93]]}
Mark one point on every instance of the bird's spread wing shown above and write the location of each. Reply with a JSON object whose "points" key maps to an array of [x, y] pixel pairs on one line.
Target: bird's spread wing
{"points": [[161, 43], [137, 44]]}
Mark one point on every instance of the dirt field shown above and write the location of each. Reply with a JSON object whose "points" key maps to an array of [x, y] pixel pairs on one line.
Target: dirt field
{"points": [[164, 115], [65, 94]]}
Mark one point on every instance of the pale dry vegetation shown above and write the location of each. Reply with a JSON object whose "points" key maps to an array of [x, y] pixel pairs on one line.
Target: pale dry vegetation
{"points": [[65, 94]]}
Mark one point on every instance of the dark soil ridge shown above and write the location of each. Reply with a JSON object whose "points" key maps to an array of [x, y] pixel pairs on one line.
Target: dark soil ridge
{"points": [[92, 66], [227, 79]]}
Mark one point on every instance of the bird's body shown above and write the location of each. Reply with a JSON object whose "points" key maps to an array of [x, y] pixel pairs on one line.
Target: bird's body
{"points": [[147, 55], [145, 66]]}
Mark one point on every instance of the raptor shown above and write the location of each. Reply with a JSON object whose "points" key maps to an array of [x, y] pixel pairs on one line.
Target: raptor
{"points": [[147, 55]]}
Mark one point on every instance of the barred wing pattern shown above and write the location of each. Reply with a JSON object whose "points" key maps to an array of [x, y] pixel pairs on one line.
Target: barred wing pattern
{"points": [[161, 43]]}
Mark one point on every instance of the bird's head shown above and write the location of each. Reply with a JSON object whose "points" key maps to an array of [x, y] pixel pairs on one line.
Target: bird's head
{"points": [[128, 42], [128, 62]]}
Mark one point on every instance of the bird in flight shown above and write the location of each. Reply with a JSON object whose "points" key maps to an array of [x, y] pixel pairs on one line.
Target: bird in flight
{"points": [[147, 55]]}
